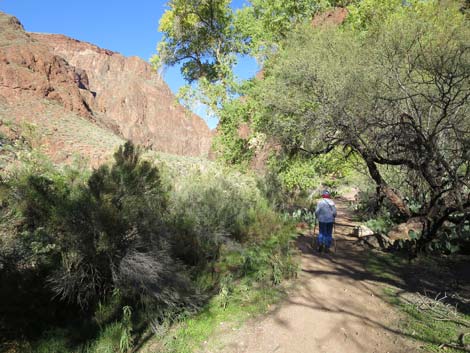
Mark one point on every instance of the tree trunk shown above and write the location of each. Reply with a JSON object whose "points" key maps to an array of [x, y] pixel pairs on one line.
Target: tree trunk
{"points": [[391, 194]]}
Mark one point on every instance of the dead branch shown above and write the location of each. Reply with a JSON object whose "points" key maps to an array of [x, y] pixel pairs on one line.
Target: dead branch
{"points": [[439, 309], [460, 346]]}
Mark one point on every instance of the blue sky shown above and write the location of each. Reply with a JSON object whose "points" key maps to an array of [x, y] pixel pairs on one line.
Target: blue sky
{"points": [[128, 27]]}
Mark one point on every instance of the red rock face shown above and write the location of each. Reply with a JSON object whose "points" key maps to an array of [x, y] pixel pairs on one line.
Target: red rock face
{"points": [[120, 95], [27, 68], [134, 98]]}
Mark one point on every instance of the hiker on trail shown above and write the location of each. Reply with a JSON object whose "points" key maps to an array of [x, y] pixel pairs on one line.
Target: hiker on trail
{"points": [[326, 214]]}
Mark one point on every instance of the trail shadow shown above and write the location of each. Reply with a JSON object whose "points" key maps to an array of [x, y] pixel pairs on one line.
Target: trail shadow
{"points": [[304, 244], [431, 277], [362, 274], [352, 263]]}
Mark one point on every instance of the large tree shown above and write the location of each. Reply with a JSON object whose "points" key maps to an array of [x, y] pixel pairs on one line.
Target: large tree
{"points": [[204, 35], [207, 37], [398, 96], [198, 34]]}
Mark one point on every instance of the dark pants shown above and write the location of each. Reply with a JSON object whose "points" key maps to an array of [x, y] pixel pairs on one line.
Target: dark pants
{"points": [[325, 236]]}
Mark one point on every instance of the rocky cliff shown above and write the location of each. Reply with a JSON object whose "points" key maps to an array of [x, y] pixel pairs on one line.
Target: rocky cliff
{"points": [[134, 98], [28, 68], [86, 100]]}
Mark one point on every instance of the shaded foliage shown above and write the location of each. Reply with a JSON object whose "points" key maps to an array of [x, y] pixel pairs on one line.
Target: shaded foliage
{"points": [[76, 250], [83, 241], [397, 96]]}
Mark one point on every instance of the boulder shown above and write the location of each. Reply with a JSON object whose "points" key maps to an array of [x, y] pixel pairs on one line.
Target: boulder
{"points": [[402, 230], [365, 231], [375, 241], [372, 241]]}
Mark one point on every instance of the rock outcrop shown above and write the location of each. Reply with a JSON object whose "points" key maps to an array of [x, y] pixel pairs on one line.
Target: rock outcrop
{"points": [[84, 99], [27, 68], [334, 17], [133, 98]]}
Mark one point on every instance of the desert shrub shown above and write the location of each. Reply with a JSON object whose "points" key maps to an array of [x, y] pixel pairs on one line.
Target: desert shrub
{"points": [[209, 209], [81, 246], [79, 239], [28, 256], [156, 277], [271, 187], [269, 260], [93, 227]]}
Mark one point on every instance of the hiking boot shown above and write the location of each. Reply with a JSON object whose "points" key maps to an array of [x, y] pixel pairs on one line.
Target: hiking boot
{"points": [[320, 248], [327, 250]]}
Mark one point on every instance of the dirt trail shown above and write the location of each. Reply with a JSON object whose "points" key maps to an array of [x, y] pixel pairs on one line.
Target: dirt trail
{"points": [[336, 306]]}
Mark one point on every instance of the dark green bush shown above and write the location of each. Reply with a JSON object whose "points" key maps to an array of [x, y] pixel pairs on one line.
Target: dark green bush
{"points": [[80, 241], [80, 246]]}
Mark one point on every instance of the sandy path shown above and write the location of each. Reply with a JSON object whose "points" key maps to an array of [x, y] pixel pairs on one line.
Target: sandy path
{"points": [[336, 306]]}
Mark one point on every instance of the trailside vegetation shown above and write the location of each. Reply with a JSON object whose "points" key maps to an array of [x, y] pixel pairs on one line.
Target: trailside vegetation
{"points": [[388, 87], [397, 96], [92, 261]]}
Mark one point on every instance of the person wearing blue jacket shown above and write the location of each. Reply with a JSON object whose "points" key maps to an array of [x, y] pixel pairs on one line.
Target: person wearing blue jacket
{"points": [[326, 214]]}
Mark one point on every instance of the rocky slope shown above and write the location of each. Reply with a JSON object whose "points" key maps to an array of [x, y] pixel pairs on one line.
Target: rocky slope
{"points": [[81, 99], [27, 68], [134, 98]]}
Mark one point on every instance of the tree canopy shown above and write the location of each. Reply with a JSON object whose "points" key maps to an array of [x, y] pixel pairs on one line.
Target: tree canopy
{"points": [[398, 97], [390, 85], [198, 34], [206, 37]]}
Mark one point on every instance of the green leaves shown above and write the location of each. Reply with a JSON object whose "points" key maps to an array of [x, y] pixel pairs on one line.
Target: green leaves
{"points": [[363, 14], [413, 235], [203, 34], [79, 232], [198, 34], [266, 23]]}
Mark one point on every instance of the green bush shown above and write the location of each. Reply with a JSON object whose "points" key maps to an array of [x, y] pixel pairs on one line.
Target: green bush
{"points": [[78, 240], [209, 209], [81, 246], [381, 225], [101, 235], [269, 258]]}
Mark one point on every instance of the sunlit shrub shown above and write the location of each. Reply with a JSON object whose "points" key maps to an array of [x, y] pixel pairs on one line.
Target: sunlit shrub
{"points": [[87, 244], [209, 209]]}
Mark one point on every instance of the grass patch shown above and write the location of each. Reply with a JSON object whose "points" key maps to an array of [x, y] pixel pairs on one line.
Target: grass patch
{"points": [[221, 313], [433, 333], [437, 330]]}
